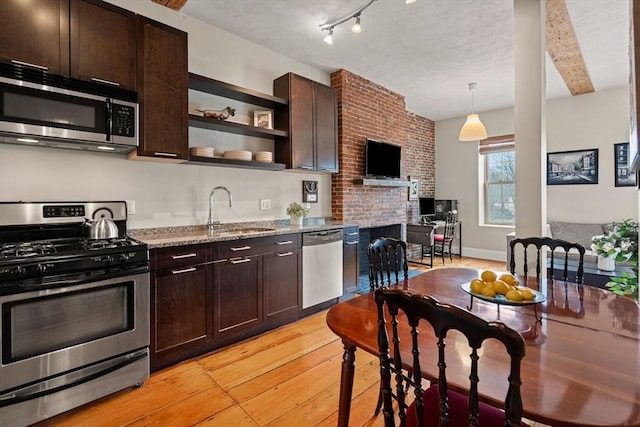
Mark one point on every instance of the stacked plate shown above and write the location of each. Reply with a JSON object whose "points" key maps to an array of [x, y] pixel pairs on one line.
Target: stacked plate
{"points": [[202, 151], [264, 156], [237, 154]]}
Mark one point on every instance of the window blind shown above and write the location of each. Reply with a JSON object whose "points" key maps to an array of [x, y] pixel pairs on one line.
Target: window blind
{"points": [[498, 143]]}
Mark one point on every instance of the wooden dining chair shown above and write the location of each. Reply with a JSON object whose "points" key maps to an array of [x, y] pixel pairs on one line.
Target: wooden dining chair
{"points": [[442, 242], [556, 247], [439, 404], [387, 259]]}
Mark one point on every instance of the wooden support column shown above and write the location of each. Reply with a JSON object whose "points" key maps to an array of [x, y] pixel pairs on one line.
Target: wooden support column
{"points": [[530, 118]]}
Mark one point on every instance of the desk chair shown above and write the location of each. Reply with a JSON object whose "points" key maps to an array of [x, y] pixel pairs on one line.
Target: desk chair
{"points": [[387, 258], [552, 244], [438, 403], [444, 240]]}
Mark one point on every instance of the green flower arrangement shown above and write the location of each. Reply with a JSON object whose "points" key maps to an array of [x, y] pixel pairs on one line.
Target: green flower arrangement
{"points": [[296, 209], [622, 243]]}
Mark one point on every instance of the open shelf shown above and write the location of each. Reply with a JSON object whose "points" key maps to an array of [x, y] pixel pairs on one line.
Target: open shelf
{"points": [[216, 87], [249, 164], [381, 182], [232, 127]]}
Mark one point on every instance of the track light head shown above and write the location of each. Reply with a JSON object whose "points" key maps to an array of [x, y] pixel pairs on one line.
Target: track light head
{"points": [[356, 27], [329, 37]]}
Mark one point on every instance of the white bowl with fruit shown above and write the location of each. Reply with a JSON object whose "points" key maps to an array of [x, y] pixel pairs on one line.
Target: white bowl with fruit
{"points": [[502, 289]]}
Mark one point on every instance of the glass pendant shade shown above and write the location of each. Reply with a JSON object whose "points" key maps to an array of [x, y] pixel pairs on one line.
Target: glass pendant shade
{"points": [[473, 129]]}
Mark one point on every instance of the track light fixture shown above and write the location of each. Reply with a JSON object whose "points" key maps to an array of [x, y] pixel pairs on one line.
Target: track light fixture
{"points": [[356, 28], [328, 39]]}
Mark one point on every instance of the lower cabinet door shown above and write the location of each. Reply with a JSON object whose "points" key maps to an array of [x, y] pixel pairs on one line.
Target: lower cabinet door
{"points": [[182, 314], [237, 296], [282, 273]]}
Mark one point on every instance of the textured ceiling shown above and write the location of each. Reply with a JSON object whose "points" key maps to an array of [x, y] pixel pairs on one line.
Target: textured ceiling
{"points": [[427, 51]]}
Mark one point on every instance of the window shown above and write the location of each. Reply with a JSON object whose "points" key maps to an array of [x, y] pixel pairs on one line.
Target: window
{"points": [[499, 180]]}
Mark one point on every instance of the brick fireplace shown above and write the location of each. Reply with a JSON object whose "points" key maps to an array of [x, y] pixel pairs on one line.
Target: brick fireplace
{"points": [[369, 110]]}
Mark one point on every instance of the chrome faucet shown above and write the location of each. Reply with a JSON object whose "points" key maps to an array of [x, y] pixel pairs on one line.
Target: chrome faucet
{"points": [[210, 222]]}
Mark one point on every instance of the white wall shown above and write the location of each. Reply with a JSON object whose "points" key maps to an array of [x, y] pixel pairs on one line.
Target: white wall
{"points": [[596, 120], [175, 194]]}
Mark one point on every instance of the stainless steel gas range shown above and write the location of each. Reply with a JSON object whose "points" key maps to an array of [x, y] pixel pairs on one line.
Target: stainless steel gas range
{"points": [[74, 311]]}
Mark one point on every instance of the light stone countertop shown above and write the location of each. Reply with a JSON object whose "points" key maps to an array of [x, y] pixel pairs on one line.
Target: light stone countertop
{"points": [[162, 237]]}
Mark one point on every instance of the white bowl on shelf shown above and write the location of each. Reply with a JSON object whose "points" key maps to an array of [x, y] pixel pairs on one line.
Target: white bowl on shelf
{"points": [[202, 151], [238, 155]]}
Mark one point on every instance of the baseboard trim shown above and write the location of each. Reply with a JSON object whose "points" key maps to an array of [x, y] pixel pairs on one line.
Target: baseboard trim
{"points": [[484, 254]]}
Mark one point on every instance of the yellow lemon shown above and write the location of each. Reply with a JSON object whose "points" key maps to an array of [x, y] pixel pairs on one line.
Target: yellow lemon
{"points": [[514, 295], [500, 287], [509, 279], [488, 291], [527, 294], [476, 286], [488, 276]]}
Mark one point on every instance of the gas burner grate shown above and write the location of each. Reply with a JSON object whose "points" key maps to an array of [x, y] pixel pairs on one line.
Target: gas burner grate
{"points": [[27, 249], [118, 242]]}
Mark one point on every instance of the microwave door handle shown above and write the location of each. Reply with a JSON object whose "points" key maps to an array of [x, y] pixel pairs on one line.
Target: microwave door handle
{"points": [[109, 112]]}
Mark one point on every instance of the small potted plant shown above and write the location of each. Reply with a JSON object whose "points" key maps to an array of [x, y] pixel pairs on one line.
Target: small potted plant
{"points": [[296, 212]]}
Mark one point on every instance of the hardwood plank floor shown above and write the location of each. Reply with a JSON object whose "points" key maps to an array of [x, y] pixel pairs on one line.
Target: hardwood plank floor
{"points": [[286, 377]]}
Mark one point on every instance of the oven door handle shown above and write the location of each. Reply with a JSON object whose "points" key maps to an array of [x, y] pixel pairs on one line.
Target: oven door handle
{"points": [[70, 379]]}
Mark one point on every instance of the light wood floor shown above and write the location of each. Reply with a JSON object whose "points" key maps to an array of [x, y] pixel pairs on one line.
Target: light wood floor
{"points": [[286, 377]]}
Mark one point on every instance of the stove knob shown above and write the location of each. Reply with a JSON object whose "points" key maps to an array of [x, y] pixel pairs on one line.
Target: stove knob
{"points": [[124, 257], [107, 259], [18, 271], [41, 269]]}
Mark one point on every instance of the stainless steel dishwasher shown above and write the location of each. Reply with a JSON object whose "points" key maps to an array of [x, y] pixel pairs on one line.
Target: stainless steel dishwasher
{"points": [[321, 266]]}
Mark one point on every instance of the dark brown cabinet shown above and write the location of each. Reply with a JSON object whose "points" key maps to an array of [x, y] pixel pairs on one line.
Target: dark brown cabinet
{"points": [[312, 124], [281, 279], [351, 258], [163, 80], [256, 285], [182, 304], [84, 39]]}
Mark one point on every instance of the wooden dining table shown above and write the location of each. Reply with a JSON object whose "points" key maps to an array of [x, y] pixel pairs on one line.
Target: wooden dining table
{"points": [[582, 362]]}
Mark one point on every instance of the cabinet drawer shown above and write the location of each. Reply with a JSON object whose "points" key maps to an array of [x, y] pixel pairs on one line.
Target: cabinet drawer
{"points": [[256, 246], [178, 256]]}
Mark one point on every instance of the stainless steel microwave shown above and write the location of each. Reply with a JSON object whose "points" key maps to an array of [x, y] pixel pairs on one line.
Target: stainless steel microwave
{"points": [[39, 113]]}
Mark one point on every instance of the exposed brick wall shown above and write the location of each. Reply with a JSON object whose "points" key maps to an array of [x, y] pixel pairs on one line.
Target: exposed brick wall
{"points": [[368, 110]]}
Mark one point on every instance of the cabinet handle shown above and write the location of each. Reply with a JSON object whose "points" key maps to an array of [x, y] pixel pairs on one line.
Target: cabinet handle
{"points": [[352, 234], [109, 82], [165, 154], [307, 167], [28, 64], [183, 256], [240, 261], [285, 254], [184, 270], [241, 248], [285, 242], [351, 243], [326, 169]]}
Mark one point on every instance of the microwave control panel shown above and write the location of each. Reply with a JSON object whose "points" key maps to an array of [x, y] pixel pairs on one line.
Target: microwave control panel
{"points": [[123, 120]]}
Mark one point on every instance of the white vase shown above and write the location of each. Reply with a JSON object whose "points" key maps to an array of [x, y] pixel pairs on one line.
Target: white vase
{"points": [[606, 263], [296, 220]]}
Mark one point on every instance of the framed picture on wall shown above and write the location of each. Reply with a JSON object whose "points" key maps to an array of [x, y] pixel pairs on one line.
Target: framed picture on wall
{"points": [[572, 167], [624, 176], [414, 187]]}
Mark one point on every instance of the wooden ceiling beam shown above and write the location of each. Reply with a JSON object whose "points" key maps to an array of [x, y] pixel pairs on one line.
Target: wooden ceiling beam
{"points": [[564, 50], [172, 4]]}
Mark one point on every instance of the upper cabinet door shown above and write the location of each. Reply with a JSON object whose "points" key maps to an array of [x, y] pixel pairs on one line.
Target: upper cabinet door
{"points": [[326, 129], [301, 132], [163, 81], [36, 35], [103, 43]]}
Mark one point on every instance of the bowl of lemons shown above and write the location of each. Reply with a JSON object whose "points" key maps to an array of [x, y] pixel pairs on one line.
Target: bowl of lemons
{"points": [[502, 289]]}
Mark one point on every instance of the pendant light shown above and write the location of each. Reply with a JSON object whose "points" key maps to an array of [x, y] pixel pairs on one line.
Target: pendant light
{"points": [[473, 129]]}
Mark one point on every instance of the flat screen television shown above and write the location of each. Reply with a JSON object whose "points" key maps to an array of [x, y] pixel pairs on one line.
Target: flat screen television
{"points": [[382, 160], [427, 206]]}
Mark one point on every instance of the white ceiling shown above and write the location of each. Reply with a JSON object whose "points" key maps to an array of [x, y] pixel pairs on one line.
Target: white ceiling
{"points": [[427, 51]]}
